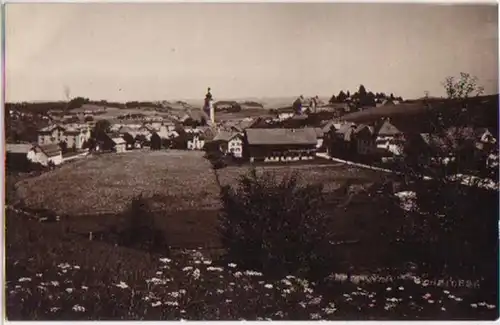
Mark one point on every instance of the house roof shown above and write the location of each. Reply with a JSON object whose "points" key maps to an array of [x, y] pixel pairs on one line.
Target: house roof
{"points": [[118, 140], [305, 136], [50, 150], [50, 128], [225, 136], [18, 147], [388, 129]]}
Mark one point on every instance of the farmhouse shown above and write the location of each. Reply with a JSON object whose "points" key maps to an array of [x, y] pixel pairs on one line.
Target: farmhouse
{"points": [[390, 138], [280, 144], [49, 153], [73, 134], [195, 141], [230, 143], [365, 139]]}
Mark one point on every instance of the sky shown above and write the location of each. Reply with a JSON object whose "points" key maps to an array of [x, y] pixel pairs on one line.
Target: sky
{"points": [[123, 52]]}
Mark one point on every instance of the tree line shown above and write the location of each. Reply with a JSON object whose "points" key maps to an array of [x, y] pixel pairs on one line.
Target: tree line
{"points": [[362, 97]]}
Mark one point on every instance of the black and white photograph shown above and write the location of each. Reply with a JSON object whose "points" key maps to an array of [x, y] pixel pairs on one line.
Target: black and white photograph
{"points": [[281, 161]]}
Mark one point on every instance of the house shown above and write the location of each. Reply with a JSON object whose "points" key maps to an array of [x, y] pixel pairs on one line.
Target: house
{"points": [[120, 145], [48, 153], [52, 134], [365, 139], [195, 141], [280, 144], [74, 135], [390, 138], [230, 143]]}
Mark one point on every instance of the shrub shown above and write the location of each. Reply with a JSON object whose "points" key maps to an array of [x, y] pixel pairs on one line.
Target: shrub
{"points": [[141, 230], [274, 226]]}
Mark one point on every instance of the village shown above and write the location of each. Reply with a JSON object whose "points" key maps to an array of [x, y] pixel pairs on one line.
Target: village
{"points": [[306, 130]]}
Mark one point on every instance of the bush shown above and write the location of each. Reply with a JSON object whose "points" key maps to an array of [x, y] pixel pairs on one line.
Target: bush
{"points": [[276, 227], [141, 230]]}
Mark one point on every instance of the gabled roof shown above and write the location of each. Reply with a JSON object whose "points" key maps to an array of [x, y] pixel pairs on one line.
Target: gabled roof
{"points": [[118, 140], [388, 129], [50, 150], [18, 147], [305, 136], [226, 136]]}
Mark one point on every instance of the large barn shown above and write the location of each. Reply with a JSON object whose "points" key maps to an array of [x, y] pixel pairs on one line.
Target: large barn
{"points": [[270, 145]]}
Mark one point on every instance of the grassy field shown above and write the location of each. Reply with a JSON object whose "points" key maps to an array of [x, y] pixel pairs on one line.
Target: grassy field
{"points": [[176, 180]]}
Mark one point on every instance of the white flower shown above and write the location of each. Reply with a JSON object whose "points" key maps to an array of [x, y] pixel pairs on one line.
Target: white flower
{"points": [[417, 280], [122, 285], [401, 288], [182, 291], [228, 301], [63, 266], [268, 286], [308, 290], [232, 283], [197, 262], [446, 292], [24, 279], [217, 269], [78, 308], [55, 283], [388, 289], [171, 303], [187, 268], [289, 277], [287, 291], [430, 301], [76, 267], [253, 273], [156, 304], [315, 316], [159, 273], [473, 305], [69, 290], [458, 299], [196, 274], [156, 281], [232, 265], [286, 282], [490, 306], [54, 309], [174, 294], [237, 274], [279, 313], [330, 309], [207, 262], [443, 309], [165, 260], [41, 288], [85, 288], [426, 296], [39, 275], [315, 301], [371, 305], [302, 304], [182, 311], [220, 291]]}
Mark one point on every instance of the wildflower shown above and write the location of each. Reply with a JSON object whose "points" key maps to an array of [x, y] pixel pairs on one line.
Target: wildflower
{"points": [[279, 313], [182, 291], [330, 309], [286, 282], [165, 260], [174, 294], [63, 266], [237, 274], [156, 304], [156, 281], [207, 262], [76, 267], [401, 288], [473, 305], [302, 304], [69, 290], [430, 301], [417, 280], [253, 273], [268, 286], [187, 268], [228, 301], [426, 296], [232, 265], [55, 283], [232, 283], [289, 277], [315, 301], [196, 274], [42, 288], [443, 309], [159, 273], [122, 285], [182, 311], [85, 288], [371, 305], [287, 291], [171, 303], [197, 262], [217, 269], [220, 291], [490, 306], [446, 292], [315, 316], [78, 308], [39, 275], [388, 289], [308, 290], [24, 279], [54, 309], [458, 299]]}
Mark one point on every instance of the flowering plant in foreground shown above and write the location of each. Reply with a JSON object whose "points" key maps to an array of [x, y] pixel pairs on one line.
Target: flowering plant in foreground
{"points": [[191, 286]]}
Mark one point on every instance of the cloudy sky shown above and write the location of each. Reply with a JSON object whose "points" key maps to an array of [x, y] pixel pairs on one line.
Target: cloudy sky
{"points": [[174, 51]]}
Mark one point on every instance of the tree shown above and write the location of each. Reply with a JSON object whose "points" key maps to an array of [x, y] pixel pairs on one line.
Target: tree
{"points": [[129, 139], [155, 141], [77, 102], [64, 147], [341, 98], [276, 226], [443, 224], [101, 127]]}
